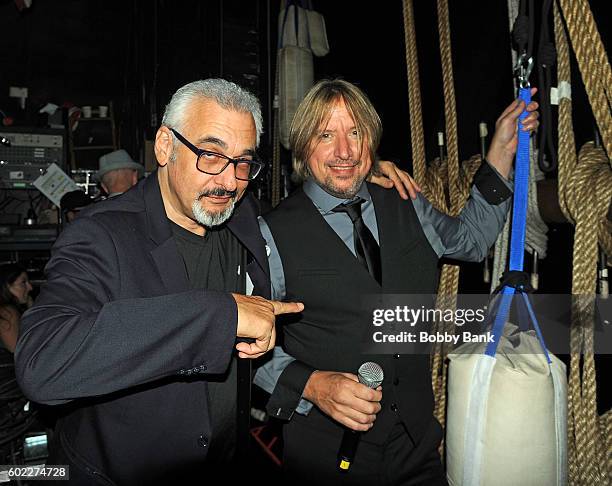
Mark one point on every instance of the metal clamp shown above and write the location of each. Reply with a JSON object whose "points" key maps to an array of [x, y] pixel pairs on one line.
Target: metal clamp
{"points": [[522, 70]]}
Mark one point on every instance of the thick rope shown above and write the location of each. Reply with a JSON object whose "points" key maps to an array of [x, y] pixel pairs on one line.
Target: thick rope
{"points": [[417, 139], [585, 190], [457, 199], [459, 189], [567, 159], [567, 143], [593, 63], [432, 179]]}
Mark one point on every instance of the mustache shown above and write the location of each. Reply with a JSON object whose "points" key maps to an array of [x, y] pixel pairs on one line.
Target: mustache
{"points": [[217, 191]]}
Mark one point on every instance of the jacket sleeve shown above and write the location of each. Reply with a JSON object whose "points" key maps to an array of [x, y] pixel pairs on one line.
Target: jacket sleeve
{"points": [[284, 378], [80, 340]]}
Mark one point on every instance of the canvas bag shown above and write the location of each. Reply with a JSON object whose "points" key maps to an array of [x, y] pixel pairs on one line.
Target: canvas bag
{"points": [[507, 414]]}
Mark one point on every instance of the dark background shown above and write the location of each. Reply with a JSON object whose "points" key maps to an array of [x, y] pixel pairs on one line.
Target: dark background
{"points": [[136, 53]]}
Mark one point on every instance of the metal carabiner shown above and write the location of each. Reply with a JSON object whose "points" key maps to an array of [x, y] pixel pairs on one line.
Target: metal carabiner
{"points": [[522, 70]]}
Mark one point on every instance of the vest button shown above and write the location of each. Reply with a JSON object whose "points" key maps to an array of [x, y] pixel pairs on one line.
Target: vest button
{"points": [[396, 356], [394, 407], [203, 441], [396, 381]]}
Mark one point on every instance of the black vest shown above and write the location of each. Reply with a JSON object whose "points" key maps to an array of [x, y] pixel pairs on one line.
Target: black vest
{"points": [[321, 272]]}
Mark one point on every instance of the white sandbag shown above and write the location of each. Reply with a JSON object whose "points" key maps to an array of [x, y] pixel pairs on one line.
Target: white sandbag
{"points": [[303, 27], [507, 416], [293, 27], [317, 33], [296, 78]]}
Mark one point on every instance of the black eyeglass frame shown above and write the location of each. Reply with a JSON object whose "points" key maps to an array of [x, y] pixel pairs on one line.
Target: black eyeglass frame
{"points": [[199, 152]]}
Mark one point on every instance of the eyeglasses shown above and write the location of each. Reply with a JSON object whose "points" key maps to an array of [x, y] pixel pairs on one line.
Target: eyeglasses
{"points": [[212, 163]]}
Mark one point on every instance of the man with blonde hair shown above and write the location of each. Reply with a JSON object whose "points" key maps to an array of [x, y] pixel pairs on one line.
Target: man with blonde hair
{"points": [[338, 240]]}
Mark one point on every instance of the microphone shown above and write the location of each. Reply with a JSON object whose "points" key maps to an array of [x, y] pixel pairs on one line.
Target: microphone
{"points": [[371, 375]]}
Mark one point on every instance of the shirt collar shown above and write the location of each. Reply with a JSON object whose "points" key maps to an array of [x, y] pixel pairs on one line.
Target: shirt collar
{"points": [[325, 201]]}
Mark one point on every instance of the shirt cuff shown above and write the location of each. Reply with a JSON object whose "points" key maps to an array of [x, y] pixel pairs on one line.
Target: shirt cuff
{"points": [[287, 395], [493, 187]]}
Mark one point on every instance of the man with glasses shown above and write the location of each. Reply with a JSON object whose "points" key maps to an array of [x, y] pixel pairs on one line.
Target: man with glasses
{"points": [[136, 328]]}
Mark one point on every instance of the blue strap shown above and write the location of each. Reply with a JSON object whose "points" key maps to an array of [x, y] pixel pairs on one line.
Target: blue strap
{"points": [[536, 326], [521, 186], [500, 320], [519, 220]]}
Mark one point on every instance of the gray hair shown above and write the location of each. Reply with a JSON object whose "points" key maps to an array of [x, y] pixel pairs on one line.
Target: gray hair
{"points": [[227, 94]]}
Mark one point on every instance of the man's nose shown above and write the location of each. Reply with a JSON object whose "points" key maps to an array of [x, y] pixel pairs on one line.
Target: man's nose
{"points": [[343, 149], [227, 178]]}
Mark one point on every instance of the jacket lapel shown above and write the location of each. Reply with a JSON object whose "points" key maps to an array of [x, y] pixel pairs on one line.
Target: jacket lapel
{"points": [[243, 224], [165, 254]]}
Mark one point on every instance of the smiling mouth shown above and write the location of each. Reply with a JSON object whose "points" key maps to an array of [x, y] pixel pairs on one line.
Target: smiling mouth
{"points": [[343, 166]]}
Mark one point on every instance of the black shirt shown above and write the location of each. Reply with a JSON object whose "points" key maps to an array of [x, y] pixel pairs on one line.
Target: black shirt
{"points": [[213, 262]]}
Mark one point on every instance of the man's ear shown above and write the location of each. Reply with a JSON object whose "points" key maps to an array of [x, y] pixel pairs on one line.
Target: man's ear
{"points": [[163, 145]]}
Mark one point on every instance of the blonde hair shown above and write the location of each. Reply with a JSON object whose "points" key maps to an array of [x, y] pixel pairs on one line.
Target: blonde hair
{"points": [[314, 112]]}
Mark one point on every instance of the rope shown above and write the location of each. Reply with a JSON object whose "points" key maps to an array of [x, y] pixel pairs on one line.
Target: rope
{"points": [[417, 139], [459, 182], [585, 190], [593, 63], [432, 179]]}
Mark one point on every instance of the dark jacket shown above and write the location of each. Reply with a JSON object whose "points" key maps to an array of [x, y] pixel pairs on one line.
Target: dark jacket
{"points": [[117, 336]]}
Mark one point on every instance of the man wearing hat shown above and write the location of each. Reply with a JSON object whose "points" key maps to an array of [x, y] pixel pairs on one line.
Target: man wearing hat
{"points": [[72, 202], [118, 172]]}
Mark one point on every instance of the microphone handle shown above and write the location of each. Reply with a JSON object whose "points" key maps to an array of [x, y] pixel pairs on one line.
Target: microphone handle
{"points": [[346, 453]]}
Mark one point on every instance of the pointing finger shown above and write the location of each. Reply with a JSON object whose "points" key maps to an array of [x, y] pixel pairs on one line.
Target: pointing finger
{"points": [[286, 307]]}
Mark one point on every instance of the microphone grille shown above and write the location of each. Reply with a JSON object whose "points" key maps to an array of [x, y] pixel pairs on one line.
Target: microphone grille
{"points": [[370, 374]]}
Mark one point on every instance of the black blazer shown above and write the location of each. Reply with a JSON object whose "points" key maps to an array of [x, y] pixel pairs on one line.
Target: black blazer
{"points": [[119, 338]]}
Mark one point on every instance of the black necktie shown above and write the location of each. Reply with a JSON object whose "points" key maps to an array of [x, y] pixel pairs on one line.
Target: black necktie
{"points": [[366, 248]]}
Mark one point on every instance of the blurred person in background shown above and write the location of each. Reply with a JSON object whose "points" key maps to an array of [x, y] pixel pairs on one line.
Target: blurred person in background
{"points": [[15, 298]]}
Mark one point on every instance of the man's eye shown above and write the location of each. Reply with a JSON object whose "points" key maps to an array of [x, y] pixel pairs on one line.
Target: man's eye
{"points": [[325, 136], [209, 156], [355, 133]]}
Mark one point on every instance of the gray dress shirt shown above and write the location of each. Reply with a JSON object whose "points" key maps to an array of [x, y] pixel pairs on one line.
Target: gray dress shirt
{"points": [[466, 237]]}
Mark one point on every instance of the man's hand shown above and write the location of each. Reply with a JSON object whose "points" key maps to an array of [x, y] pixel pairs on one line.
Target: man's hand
{"points": [[343, 398], [256, 317], [391, 177], [505, 140]]}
